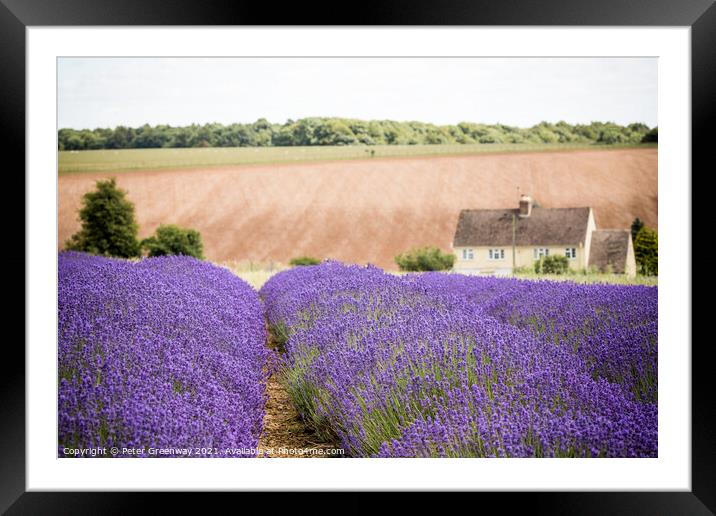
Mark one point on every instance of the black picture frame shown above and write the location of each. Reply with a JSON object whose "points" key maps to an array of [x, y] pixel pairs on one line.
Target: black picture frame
{"points": [[16, 15]]}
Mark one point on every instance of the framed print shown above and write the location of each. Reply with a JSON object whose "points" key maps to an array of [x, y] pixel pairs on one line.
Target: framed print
{"points": [[427, 248]]}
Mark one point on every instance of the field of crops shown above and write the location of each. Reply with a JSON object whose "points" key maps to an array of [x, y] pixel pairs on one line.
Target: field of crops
{"points": [[165, 353], [146, 159], [437, 365], [171, 353]]}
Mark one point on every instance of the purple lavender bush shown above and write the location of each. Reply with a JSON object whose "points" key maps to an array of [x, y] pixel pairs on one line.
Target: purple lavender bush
{"points": [[613, 328], [166, 352], [436, 365]]}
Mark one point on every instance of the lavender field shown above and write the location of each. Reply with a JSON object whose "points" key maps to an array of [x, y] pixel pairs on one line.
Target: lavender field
{"points": [[436, 365], [172, 352], [165, 352]]}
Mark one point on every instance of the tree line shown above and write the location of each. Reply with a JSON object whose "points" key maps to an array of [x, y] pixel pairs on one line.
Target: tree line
{"points": [[343, 131]]}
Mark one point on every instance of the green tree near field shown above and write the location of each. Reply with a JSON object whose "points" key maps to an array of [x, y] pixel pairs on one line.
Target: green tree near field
{"points": [[121, 138], [652, 136], [170, 239], [635, 228], [646, 252], [301, 261], [108, 224], [612, 135], [422, 259]]}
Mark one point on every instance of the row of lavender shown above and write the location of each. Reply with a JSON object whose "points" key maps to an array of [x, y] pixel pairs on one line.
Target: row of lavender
{"points": [[164, 353], [449, 365], [613, 329]]}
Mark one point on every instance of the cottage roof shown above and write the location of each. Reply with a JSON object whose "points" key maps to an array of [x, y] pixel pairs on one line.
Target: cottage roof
{"points": [[609, 247], [544, 226]]}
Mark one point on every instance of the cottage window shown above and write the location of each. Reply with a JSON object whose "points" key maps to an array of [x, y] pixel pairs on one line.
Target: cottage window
{"points": [[468, 254], [539, 252], [571, 253], [496, 254]]}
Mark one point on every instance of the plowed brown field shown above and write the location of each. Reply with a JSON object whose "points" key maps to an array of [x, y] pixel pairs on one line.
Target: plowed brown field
{"points": [[370, 210]]}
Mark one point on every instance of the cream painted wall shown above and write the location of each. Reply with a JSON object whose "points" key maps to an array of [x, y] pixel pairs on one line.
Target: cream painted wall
{"points": [[591, 226], [630, 266], [524, 257]]}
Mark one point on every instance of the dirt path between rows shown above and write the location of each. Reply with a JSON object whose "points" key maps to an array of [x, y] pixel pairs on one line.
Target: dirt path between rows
{"points": [[285, 434]]}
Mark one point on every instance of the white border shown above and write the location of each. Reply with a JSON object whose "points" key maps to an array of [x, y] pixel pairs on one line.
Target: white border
{"points": [[672, 470]]}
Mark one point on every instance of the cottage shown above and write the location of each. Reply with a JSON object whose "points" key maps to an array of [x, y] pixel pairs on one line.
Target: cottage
{"points": [[497, 241]]}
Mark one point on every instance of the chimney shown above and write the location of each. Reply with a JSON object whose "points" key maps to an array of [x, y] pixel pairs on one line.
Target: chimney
{"points": [[525, 205]]}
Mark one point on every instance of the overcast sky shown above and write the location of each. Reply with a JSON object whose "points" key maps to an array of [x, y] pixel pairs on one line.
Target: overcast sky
{"points": [[106, 92]]}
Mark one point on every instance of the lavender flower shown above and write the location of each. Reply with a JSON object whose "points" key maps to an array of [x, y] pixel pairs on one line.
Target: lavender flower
{"points": [[166, 352], [436, 365]]}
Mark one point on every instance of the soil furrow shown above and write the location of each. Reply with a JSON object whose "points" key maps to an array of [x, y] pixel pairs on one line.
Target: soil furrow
{"points": [[284, 433]]}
